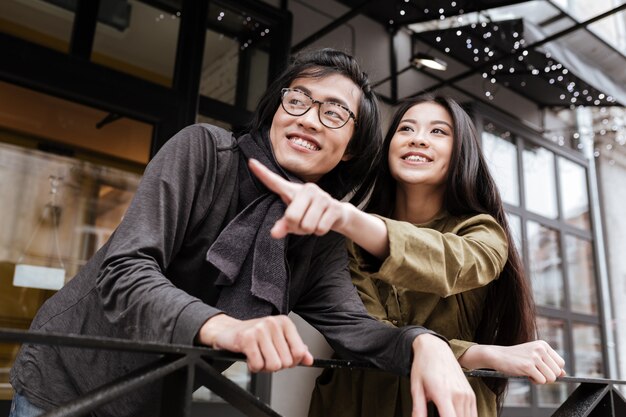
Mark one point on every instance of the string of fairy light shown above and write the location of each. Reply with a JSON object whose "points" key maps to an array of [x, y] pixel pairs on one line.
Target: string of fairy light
{"points": [[518, 58], [481, 42], [251, 29]]}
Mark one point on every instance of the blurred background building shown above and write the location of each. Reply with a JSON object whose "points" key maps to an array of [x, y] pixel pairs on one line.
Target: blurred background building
{"points": [[90, 90]]}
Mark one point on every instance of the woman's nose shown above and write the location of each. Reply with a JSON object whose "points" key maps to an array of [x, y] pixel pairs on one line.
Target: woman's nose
{"points": [[420, 141]]}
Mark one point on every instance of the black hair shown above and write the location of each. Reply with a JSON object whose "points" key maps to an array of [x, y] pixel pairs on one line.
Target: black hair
{"points": [[348, 176]]}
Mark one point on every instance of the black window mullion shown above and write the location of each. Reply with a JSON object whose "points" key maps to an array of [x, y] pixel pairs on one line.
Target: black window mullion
{"points": [[187, 71], [84, 28], [596, 263]]}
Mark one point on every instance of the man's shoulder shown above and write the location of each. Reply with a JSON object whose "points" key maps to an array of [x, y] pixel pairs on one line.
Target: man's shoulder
{"points": [[223, 139]]}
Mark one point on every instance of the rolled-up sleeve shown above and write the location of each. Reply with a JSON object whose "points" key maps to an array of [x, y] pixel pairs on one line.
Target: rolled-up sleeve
{"points": [[426, 260]]}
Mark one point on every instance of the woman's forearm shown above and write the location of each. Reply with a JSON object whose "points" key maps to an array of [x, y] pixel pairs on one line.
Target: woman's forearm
{"points": [[367, 231]]}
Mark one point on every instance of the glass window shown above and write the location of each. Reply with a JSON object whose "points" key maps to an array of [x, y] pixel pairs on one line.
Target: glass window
{"points": [[581, 273], [611, 29], [515, 223], [219, 67], [57, 231], [553, 332], [138, 39], [80, 127], [236, 59], [546, 272], [257, 81], [40, 22], [588, 351], [518, 394], [574, 196], [501, 155], [539, 182]]}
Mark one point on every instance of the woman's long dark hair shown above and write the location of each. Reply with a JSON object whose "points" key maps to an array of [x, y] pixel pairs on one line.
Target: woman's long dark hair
{"points": [[509, 313], [364, 148]]}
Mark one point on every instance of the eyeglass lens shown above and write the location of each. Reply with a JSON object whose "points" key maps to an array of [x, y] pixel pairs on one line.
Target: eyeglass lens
{"points": [[331, 114]]}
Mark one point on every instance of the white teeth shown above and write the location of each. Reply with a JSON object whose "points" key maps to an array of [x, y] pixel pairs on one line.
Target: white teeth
{"points": [[305, 144], [416, 158]]}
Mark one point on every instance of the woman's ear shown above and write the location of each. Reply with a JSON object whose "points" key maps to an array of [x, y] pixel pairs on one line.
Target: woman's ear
{"points": [[346, 157]]}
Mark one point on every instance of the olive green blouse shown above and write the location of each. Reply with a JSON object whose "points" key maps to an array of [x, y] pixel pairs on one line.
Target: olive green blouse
{"points": [[436, 276]]}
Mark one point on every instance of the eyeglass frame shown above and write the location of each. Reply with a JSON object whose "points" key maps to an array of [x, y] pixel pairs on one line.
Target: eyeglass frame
{"points": [[284, 91]]}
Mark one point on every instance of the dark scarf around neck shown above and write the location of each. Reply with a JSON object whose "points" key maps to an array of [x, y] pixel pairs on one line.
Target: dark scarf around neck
{"points": [[253, 268]]}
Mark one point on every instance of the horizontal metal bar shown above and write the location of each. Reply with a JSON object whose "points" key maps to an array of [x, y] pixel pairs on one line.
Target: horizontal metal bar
{"points": [[107, 343], [23, 336], [568, 379]]}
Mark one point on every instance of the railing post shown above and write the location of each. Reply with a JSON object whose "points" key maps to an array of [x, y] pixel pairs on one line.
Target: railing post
{"points": [[177, 392], [585, 399]]}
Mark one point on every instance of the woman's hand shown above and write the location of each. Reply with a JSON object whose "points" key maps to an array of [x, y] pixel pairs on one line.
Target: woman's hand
{"points": [[536, 360], [311, 210]]}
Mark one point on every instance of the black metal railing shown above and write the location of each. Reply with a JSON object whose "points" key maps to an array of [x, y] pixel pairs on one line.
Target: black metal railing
{"points": [[179, 367]]}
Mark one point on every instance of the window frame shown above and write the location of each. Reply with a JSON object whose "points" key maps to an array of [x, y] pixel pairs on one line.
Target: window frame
{"points": [[521, 135]]}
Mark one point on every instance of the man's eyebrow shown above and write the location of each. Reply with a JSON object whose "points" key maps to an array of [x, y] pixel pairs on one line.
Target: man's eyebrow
{"points": [[327, 99]]}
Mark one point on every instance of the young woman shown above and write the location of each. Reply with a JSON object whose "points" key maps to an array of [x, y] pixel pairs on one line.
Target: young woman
{"points": [[193, 260], [438, 252]]}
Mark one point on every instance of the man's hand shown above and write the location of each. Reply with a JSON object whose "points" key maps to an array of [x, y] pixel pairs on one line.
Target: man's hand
{"points": [[536, 360], [437, 376], [269, 343]]}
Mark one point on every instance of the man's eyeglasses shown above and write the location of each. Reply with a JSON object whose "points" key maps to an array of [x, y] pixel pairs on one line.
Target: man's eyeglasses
{"points": [[332, 115]]}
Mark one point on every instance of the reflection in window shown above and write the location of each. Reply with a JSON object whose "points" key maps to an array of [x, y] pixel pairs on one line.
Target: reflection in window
{"points": [[611, 30], [501, 157], [587, 350], [236, 62], [219, 67], [581, 273], [38, 22], [546, 272], [553, 332], [89, 203], [142, 42], [539, 183], [574, 196]]}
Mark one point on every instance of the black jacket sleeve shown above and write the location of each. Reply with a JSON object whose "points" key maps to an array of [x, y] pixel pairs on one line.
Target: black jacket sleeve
{"points": [[331, 304], [132, 283]]}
